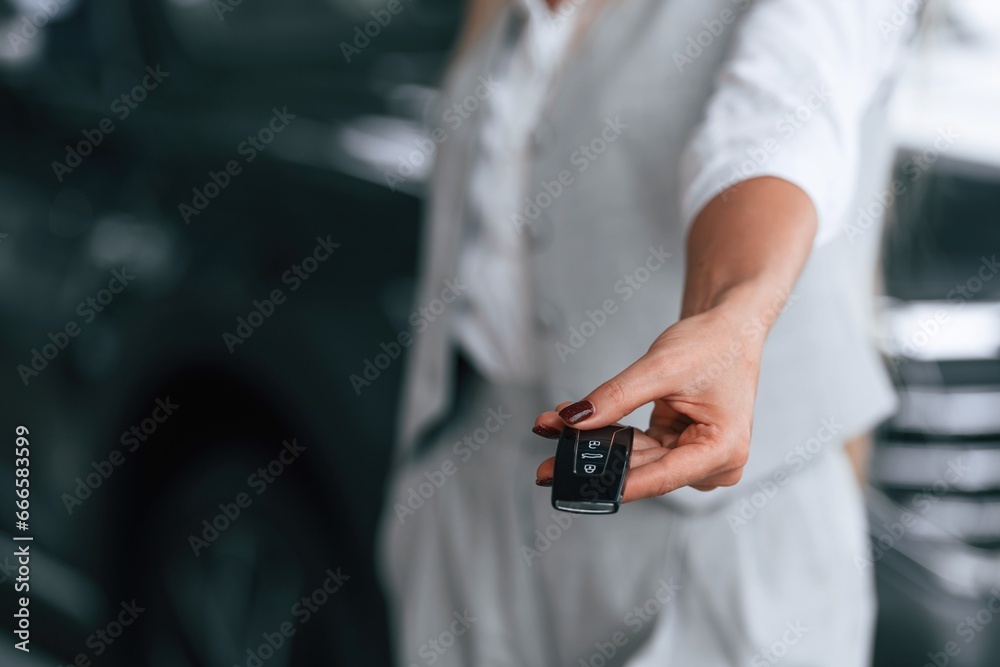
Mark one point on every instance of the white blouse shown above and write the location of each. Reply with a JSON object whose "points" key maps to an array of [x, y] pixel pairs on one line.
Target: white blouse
{"points": [[757, 123], [495, 318]]}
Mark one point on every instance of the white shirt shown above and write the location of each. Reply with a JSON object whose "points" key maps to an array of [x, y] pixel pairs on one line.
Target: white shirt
{"points": [[495, 321], [758, 123], [791, 106]]}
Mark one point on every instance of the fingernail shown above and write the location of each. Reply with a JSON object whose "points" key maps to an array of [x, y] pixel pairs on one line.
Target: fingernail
{"points": [[546, 431], [577, 412], [545, 481]]}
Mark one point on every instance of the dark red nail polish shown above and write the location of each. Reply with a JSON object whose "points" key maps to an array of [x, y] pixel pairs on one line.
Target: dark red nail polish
{"points": [[577, 412], [545, 481], [546, 431]]}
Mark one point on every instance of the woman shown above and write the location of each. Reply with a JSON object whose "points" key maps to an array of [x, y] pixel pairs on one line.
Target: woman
{"points": [[605, 167]]}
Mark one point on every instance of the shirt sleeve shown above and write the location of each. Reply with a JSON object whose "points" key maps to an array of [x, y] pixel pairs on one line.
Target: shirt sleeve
{"points": [[790, 98]]}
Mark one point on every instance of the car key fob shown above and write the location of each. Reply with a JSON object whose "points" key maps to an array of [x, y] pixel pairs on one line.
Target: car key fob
{"points": [[590, 469]]}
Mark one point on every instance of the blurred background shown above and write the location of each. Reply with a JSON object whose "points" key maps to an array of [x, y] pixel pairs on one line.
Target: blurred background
{"points": [[199, 449]]}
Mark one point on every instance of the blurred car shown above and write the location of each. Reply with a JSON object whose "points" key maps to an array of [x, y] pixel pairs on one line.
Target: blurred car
{"points": [[116, 301]]}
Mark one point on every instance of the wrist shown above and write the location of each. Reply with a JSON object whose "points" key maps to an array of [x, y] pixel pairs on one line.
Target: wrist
{"points": [[746, 311]]}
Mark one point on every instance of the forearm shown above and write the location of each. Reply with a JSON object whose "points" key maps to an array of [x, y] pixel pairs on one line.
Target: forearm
{"points": [[745, 251]]}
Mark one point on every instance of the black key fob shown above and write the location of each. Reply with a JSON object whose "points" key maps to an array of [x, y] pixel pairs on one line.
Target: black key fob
{"points": [[591, 468]]}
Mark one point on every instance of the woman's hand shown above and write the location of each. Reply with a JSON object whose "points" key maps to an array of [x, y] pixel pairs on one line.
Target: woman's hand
{"points": [[745, 251], [701, 375]]}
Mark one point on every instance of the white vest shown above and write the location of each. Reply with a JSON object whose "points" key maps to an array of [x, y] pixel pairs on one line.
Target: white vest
{"points": [[821, 379]]}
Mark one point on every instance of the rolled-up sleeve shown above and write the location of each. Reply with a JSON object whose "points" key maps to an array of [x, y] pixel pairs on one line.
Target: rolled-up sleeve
{"points": [[790, 98]]}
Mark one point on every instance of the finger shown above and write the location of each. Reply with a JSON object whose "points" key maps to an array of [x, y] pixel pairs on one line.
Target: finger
{"points": [[681, 466], [645, 450], [641, 457], [640, 383], [545, 471], [729, 478], [667, 420], [549, 424], [663, 438], [641, 440]]}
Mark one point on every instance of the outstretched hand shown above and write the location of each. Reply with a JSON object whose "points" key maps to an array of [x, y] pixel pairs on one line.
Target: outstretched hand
{"points": [[701, 375]]}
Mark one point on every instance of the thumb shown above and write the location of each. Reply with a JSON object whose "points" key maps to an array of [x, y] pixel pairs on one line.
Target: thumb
{"points": [[640, 383]]}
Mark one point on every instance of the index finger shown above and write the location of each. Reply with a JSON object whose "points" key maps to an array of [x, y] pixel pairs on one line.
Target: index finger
{"points": [[643, 382], [682, 466]]}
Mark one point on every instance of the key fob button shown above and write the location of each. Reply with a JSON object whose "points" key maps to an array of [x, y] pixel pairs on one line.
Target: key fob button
{"points": [[592, 456], [592, 461], [590, 469]]}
